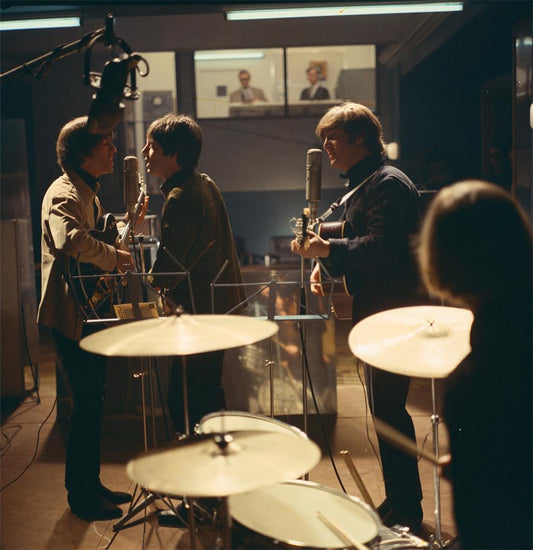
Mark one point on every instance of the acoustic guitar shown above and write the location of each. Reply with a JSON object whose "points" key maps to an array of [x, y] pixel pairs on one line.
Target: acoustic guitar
{"points": [[341, 300]]}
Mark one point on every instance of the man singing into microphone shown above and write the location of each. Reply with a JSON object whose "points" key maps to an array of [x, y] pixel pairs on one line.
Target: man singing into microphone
{"points": [[195, 236], [380, 271], [70, 209]]}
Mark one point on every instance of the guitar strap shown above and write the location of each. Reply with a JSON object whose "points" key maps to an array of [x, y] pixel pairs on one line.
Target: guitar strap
{"points": [[342, 200]]}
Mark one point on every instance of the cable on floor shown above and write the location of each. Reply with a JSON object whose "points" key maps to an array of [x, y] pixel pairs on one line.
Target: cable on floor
{"points": [[36, 448]]}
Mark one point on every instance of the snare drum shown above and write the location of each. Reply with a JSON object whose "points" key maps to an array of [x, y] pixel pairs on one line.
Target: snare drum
{"points": [[285, 515], [232, 421]]}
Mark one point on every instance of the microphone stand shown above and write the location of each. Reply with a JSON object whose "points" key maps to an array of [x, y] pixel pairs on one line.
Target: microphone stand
{"points": [[302, 328], [44, 62]]}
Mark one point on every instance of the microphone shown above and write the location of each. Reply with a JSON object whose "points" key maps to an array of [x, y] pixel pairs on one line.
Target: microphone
{"points": [[313, 174], [131, 183], [107, 109]]}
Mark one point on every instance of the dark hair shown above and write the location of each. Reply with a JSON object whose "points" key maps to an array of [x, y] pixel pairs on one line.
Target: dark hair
{"points": [[74, 143], [475, 242], [180, 135], [357, 121]]}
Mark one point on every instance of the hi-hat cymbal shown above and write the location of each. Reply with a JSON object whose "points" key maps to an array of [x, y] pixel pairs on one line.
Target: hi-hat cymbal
{"points": [[178, 335], [420, 341], [242, 461]]}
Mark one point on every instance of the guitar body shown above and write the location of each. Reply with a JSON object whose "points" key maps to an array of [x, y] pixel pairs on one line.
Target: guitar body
{"points": [[341, 299], [91, 291]]}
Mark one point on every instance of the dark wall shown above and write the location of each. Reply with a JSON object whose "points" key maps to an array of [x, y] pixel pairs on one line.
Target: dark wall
{"points": [[441, 105]]}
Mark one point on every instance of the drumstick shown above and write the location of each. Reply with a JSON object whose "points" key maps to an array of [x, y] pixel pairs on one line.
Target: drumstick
{"points": [[401, 441], [355, 474], [341, 533]]}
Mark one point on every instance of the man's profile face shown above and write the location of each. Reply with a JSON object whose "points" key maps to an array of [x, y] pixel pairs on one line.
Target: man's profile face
{"points": [[100, 159], [245, 79], [157, 163], [343, 151]]}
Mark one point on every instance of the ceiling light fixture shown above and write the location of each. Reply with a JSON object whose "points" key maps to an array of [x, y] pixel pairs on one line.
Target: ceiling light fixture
{"points": [[44, 23], [218, 56], [328, 11]]}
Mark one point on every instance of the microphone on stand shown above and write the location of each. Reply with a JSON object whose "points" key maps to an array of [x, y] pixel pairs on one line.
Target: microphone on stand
{"points": [[313, 174], [131, 184], [107, 109]]}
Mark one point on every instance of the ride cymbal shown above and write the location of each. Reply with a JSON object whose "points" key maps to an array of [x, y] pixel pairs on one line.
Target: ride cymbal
{"points": [[420, 341], [178, 335]]}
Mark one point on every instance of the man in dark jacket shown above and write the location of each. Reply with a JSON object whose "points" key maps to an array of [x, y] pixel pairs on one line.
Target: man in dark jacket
{"points": [[380, 271], [195, 236]]}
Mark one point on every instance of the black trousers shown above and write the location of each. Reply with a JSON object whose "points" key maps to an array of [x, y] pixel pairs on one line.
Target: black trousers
{"points": [[387, 396], [86, 374], [205, 393]]}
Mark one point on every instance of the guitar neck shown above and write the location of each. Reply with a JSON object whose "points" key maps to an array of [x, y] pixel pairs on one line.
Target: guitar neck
{"points": [[125, 231]]}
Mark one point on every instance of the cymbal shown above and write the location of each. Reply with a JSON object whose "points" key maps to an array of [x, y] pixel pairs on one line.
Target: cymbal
{"points": [[420, 341], [178, 335], [201, 467]]}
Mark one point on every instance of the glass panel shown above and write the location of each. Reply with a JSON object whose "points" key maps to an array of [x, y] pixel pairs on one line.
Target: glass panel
{"points": [[239, 83], [318, 77], [157, 97]]}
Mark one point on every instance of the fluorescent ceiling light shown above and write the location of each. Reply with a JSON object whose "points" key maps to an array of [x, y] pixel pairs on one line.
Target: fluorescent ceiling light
{"points": [[327, 11], [45, 23], [211, 56]]}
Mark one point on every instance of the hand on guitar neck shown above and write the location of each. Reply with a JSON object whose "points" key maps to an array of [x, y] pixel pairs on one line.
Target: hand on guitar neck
{"points": [[313, 247]]}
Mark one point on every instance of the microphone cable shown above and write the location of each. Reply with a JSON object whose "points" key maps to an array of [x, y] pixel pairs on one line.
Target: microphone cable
{"points": [[319, 416]]}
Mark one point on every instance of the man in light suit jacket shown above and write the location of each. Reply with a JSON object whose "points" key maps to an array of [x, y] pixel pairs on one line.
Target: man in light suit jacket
{"points": [[246, 93]]}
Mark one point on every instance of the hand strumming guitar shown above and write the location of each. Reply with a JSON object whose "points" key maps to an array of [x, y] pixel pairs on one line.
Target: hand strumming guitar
{"points": [[124, 260], [314, 247]]}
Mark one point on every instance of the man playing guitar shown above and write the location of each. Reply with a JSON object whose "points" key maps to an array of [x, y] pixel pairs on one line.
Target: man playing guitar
{"points": [[379, 271], [70, 210]]}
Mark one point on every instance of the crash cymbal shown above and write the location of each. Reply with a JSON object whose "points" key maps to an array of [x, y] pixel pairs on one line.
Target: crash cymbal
{"points": [[215, 465], [420, 341], [178, 335]]}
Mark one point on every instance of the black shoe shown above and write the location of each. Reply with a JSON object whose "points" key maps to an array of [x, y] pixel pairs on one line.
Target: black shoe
{"points": [[400, 514], [93, 507], [115, 497], [384, 508]]}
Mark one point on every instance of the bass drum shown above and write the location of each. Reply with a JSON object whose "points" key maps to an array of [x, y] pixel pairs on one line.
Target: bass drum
{"points": [[285, 515], [233, 421]]}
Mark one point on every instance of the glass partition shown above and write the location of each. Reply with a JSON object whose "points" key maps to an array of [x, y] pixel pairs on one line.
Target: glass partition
{"points": [[318, 77], [239, 83]]}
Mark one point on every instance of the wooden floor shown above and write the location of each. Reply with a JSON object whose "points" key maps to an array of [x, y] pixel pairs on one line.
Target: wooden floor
{"points": [[34, 510]]}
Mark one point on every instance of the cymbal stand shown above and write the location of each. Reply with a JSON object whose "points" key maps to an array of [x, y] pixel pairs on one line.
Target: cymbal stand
{"points": [[302, 310], [436, 541]]}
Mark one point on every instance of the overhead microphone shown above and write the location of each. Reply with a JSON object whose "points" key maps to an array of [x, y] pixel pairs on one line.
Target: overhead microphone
{"points": [[313, 174], [107, 109], [131, 183]]}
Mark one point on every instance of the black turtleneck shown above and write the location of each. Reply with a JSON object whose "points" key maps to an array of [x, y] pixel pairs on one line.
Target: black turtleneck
{"points": [[357, 173], [89, 179]]}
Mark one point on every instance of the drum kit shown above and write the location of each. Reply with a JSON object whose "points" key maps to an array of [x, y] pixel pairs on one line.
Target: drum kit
{"points": [[251, 463]]}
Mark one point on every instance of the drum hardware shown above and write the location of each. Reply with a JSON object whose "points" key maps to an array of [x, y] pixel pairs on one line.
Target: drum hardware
{"points": [[358, 480], [418, 341], [222, 464], [181, 335]]}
